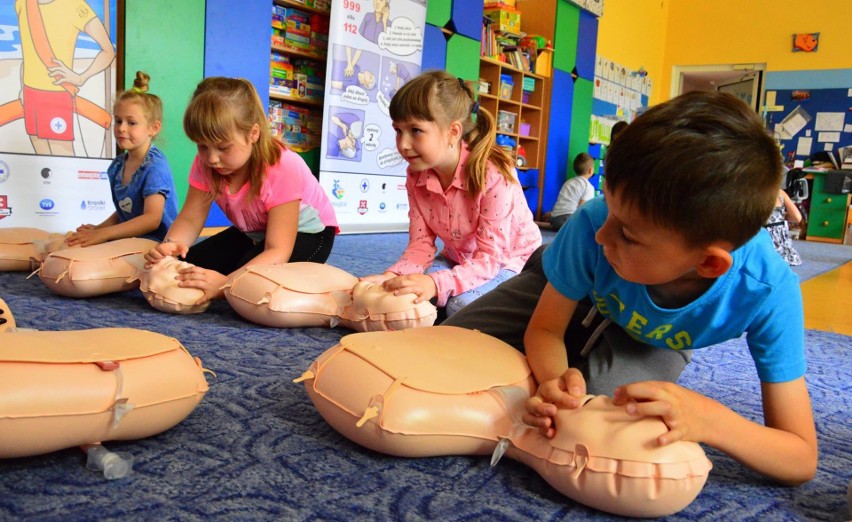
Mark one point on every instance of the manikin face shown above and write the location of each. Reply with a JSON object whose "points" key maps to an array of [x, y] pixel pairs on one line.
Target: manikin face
{"points": [[642, 251], [424, 145], [132, 129], [230, 156]]}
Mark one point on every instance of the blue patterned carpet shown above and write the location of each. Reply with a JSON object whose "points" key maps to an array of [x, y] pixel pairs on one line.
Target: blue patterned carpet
{"points": [[255, 448]]}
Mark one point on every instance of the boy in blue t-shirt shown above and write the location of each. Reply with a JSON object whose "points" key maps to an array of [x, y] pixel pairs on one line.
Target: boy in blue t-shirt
{"points": [[673, 259]]}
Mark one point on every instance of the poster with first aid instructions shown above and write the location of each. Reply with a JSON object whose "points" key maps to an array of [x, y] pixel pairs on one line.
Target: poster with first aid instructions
{"points": [[375, 46]]}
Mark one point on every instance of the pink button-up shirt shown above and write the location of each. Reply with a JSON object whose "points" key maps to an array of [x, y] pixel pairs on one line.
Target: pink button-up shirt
{"points": [[482, 233]]}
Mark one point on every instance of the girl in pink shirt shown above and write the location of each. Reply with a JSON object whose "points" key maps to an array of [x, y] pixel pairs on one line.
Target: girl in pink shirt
{"points": [[278, 208], [463, 190]]}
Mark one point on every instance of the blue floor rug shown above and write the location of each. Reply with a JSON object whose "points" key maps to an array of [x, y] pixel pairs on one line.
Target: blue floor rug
{"points": [[256, 449]]}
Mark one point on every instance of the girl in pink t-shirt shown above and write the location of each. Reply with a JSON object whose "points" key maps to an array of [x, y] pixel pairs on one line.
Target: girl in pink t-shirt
{"points": [[278, 209], [463, 190]]}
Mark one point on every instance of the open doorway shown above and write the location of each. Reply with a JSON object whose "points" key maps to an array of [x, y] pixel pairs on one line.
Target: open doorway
{"points": [[742, 80]]}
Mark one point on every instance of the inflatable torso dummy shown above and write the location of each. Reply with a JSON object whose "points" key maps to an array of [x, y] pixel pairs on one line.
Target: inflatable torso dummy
{"points": [[64, 389], [22, 249], [450, 391], [313, 294], [96, 270]]}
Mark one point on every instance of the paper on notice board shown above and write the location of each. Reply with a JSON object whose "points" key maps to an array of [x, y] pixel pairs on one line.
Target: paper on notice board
{"points": [[794, 122], [847, 127], [803, 148], [770, 97], [833, 137], [829, 121]]}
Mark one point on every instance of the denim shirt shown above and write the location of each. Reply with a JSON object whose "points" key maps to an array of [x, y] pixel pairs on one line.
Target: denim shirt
{"points": [[152, 177]]}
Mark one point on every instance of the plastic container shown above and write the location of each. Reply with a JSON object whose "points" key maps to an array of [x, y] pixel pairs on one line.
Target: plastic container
{"points": [[507, 86], [113, 465], [506, 121], [525, 129]]}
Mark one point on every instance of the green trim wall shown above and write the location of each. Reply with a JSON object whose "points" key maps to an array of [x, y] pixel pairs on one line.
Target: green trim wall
{"points": [[166, 39]]}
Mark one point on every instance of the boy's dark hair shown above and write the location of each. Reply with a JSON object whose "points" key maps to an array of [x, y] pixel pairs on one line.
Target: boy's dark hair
{"points": [[616, 129], [582, 163], [701, 164]]}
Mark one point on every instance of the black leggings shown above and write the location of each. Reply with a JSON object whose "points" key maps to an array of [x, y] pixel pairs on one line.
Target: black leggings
{"points": [[231, 249]]}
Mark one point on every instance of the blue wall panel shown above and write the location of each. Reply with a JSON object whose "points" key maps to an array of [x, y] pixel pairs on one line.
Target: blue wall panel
{"points": [[238, 44], [821, 100], [587, 41], [434, 48], [466, 18], [561, 101]]}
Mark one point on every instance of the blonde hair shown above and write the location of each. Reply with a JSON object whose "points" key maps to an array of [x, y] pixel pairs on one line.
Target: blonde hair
{"points": [[222, 106], [442, 98], [152, 106]]}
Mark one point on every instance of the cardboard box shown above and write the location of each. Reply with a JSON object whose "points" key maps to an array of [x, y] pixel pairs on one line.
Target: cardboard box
{"points": [[505, 19]]}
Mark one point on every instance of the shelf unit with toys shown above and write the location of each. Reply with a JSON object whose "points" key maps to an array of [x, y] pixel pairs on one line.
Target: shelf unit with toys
{"points": [[511, 87], [299, 44], [516, 98]]}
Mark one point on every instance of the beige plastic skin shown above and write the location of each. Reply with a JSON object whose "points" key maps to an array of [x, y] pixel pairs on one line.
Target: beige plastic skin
{"points": [[7, 321], [21, 248], [64, 389], [375, 309], [449, 391], [160, 288], [96, 270], [293, 295]]}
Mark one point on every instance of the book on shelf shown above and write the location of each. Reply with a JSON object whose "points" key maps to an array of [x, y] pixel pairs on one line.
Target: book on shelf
{"points": [[505, 47]]}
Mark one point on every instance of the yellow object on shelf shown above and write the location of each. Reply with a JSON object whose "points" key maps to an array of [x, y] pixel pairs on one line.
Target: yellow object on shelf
{"points": [[505, 18], [544, 62]]}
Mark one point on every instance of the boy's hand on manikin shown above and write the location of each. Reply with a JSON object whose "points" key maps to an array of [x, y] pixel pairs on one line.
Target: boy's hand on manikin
{"points": [[688, 414], [420, 285], [210, 281], [565, 391]]}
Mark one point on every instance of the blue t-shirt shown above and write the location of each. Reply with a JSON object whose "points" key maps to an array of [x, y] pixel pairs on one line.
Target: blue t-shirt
{"points": [[152, 177], [758, 296]]}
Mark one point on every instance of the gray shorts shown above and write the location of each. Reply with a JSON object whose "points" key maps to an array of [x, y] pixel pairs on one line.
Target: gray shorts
{"points": [[612, 359]]}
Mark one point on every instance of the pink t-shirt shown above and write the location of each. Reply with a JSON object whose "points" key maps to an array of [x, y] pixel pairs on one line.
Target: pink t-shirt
{"points": [[289, 180], [482, 234]]}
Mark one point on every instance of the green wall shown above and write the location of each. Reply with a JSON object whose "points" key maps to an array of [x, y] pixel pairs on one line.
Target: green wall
{"points": [[166, 39]]}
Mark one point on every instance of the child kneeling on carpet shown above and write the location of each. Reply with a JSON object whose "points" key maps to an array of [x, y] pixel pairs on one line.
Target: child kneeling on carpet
{"points": [[463, 190], [279, 211], [143, 190], [574, 192], [673, 258]]}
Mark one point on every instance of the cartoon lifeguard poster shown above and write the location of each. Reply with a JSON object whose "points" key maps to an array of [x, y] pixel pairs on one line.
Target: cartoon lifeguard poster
{"points": [[57, 77], [57, 80]]}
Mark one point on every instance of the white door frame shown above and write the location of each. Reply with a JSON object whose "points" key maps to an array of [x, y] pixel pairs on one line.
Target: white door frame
{"points": [[724, 70]]}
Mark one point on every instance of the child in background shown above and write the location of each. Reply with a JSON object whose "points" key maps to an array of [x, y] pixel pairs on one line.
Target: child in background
{"points": [[574, 192], [463, 190], [778, 228], [143, 190], [279, 211], [673, 258]]}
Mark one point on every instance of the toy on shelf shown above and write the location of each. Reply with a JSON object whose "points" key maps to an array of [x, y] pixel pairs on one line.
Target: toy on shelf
{"points": [[450, 391], [74, 388], [313, 294]]}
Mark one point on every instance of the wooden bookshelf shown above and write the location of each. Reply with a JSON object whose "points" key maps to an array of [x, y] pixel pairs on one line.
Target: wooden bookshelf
{"points": [[532, 111]]}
